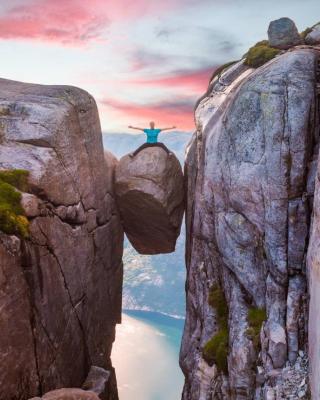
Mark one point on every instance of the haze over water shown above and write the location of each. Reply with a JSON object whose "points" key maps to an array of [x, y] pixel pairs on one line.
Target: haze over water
{"points": [[146, 357]]}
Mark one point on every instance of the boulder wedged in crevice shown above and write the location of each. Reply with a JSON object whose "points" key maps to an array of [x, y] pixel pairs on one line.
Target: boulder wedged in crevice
{"points": [[150, 196]]}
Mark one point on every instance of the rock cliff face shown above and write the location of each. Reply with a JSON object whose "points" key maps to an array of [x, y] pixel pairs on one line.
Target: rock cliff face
{"points": [[150, 196], [60, 289], [250, 172]]}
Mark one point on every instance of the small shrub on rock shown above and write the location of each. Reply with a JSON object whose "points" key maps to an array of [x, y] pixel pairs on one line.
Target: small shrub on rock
{"points": [[256, 317], [216, 349], [260, 54]]}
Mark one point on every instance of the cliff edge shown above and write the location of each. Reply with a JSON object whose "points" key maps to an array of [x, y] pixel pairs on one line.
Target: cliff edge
{"points": [[250, 172], [61, 281]]}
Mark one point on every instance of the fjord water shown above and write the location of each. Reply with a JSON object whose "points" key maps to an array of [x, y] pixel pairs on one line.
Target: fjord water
{"points": [[146, 356]]}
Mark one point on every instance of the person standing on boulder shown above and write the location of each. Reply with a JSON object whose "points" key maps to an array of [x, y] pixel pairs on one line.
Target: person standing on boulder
{"points": [[152, 138]]}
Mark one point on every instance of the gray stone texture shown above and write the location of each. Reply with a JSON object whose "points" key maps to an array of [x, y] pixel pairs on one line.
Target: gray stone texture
{"points": [[283, 33], [150, 196], [248, 171], [60, 288]]}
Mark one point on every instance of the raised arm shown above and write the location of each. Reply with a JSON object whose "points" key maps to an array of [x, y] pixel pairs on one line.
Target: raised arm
{"points": [[167, 129], [134, 127]]}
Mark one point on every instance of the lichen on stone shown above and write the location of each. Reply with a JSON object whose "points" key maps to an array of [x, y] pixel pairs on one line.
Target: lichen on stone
{"points": [[216, 349], [260, 54], [12, 218]]}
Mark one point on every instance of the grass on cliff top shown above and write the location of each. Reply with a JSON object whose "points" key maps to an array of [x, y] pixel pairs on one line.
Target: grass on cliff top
{"points": [[260, 54], [256, 317], [216, 349], [12, 219]]}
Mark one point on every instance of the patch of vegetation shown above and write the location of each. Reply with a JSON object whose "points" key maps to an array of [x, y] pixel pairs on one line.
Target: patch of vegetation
{"points": [[256, 317], [220, 69], [260, 53], [216, 349], [16, 177], [218, 301], [12, 219]]}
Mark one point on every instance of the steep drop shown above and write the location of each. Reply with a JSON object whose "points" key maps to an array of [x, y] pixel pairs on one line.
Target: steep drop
{"points": [[250, 174]]}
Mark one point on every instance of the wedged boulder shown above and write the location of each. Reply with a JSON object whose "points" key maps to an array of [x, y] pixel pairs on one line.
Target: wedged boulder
{"points": [[283, 33], [150, 197]]}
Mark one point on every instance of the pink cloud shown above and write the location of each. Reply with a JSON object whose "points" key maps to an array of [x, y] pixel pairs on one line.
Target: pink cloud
{"points": [[72, 21], [177, 112], [196, 80], [69, 21]]}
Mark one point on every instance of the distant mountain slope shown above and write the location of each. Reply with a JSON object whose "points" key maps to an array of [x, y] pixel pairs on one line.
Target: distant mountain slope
{"points": [[122, 143], [154, 283]]}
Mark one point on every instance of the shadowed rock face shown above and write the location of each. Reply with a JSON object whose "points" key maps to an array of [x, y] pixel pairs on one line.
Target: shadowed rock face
{"points": [[60, 288], [250, 170], [150, 197]]}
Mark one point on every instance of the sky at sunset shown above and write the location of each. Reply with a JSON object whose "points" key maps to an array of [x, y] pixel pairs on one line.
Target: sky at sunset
{"points": [[142, 60]]}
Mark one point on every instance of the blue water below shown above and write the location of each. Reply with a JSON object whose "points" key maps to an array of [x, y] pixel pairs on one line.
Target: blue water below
{"points": [[146, 356]]}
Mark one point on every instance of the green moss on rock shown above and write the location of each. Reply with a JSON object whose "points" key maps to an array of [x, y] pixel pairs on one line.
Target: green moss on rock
{"points": [[218, 301], [216, 349], [260, 54], [12, 219], [16, 177], [256, 317]]}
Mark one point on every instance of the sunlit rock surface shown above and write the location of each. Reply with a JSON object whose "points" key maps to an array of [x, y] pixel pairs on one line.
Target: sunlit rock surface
{"points": [[249, 174], [150, 197], [60, 288]]}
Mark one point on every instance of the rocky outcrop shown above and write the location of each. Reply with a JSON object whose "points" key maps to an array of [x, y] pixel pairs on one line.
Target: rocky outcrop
{"points": [[283, 34], [68, 394], [150, 197], [102, 383], [60, 287], [313, 37], [250, 171]]}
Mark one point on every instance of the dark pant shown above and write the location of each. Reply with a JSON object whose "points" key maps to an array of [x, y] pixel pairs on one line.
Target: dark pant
{"points": [[145, 145]]}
